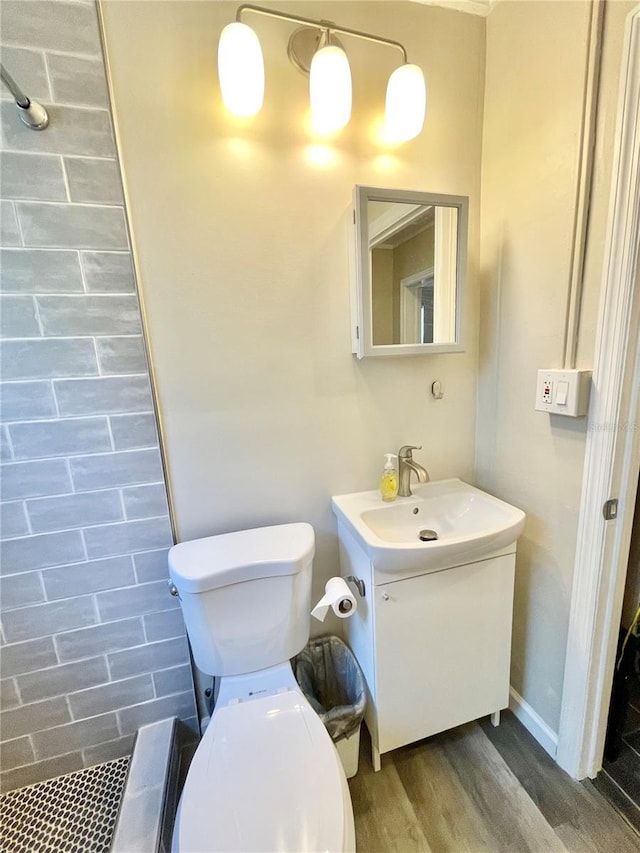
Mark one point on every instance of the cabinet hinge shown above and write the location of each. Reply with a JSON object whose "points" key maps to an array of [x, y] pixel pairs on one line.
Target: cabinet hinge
{"points": [[354, 217], [610, 509], [357, 333]]}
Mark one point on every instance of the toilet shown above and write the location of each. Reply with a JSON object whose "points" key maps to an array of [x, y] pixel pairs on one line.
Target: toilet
{"points": [[266, 775]]}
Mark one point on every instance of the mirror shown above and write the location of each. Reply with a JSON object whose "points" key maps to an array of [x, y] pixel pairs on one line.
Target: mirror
{"points": [[410, 262]]}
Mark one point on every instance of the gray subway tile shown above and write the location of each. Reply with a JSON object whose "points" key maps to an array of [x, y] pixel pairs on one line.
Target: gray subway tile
{"points": [[40, 271], [9, 697], [13, 521], [152, 566], [38, 552], [122, 355], [40, 620], [108, 272], [32, 176], [149, 658], [164, 625], [111, 697], [19, 658], [34, 717], [67, 27], [75, 736], [77, 81], [18, 317], [72, 225], [145, 501], [40, 771], [90, 315], [72, 130], [104, 395], [94, 181], [9, 231], [64, 679], [28, 67], [180, 705], [20, 590], [23, 401], [108, 751], [127, 537], [127, 468], [99, 639], [48, 358], [178, 679], [67, 511], [32, 479], [6, 452], [135, 600], [134, 431], [16, 752], [94, 576], [59, 438]]}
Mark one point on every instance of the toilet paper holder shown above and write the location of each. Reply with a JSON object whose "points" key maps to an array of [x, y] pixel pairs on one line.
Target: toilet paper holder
{"points": [[359, 584]]}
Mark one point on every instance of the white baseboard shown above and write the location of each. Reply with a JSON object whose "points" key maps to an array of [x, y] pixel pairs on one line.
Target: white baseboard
{"points": [[533, 723]]}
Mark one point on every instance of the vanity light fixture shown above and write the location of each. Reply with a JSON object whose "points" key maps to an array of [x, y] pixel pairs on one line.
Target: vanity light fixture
{"points": [[314, 49]]}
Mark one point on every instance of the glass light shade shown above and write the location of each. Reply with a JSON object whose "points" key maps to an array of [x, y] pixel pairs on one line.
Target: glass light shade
{"points": [[406, 103], [241, 69], [330, 89]]}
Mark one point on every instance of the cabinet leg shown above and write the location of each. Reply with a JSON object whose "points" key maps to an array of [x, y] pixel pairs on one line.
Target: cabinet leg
{"points": [[375, 758], [495, 718]]}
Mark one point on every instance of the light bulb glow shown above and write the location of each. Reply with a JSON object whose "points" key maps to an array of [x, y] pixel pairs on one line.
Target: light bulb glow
{"points": [[330, 90], [406, 103], [241, 70]]}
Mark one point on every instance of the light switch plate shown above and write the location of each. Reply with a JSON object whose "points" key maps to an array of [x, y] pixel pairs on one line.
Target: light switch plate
{"points": [[563, 392]]}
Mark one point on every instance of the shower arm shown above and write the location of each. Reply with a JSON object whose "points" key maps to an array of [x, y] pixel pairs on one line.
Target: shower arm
{"points": [[31, 112]]}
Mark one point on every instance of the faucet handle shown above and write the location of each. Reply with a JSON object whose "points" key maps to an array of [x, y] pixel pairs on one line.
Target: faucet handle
{"points": [[405, 450]]}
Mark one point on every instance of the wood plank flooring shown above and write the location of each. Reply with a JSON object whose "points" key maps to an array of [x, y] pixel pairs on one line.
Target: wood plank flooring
{"points": [[478, 789]]}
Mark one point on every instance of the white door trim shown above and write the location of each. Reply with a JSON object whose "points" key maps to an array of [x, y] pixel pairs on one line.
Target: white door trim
{"points": [[602, 547]]}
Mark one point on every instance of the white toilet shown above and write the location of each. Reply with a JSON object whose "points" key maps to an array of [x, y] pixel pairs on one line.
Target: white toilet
{"points": [[266, 775]]}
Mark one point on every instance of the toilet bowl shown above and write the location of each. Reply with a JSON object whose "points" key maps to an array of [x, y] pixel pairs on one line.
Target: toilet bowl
{"points": [[266, 775]]}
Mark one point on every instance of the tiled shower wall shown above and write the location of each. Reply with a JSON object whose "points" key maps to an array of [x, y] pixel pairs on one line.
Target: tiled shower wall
{"points": [[93, 644]]}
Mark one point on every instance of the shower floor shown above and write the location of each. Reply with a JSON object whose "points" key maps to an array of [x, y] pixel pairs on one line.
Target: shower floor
{"points": [[72, 813]]}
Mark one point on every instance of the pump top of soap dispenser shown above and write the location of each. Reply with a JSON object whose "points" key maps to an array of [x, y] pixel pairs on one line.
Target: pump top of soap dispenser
{"points": [[389, 465]]}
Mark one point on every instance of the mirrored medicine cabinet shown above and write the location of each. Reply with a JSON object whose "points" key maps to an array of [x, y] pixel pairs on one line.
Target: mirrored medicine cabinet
{"points": [[409, 256]]}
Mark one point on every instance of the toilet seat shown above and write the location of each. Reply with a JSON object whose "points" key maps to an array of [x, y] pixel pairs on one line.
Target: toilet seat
{"points": [[265, 777]]}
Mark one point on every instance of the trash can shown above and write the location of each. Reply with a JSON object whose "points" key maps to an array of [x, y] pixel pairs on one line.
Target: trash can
{"points": [[330, 678]]}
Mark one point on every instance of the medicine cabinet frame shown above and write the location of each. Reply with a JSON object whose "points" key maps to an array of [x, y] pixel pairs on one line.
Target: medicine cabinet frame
{"points": [[360, 269]]}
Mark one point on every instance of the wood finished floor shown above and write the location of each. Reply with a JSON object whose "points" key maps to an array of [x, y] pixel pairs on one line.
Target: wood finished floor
{"points": [[476, 788]]}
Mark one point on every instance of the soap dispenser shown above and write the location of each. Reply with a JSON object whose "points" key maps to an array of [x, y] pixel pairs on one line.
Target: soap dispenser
{"points": [[389, 479]]}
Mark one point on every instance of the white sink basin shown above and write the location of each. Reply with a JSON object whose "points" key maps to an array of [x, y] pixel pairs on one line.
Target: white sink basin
{"points": [[469, 524]]}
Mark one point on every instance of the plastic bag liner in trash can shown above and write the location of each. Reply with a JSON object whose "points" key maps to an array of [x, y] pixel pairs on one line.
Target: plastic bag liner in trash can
{"points": [[330, 678]]}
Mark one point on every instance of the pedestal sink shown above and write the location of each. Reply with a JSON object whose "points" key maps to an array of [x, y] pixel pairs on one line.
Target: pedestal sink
{"points": [[432, 633]]}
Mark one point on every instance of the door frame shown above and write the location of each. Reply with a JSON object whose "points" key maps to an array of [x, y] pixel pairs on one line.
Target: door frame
{"points": [[612, 453]]}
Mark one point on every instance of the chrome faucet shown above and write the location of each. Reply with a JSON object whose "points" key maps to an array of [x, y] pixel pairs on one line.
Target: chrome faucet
{"points": [[406, 465]]}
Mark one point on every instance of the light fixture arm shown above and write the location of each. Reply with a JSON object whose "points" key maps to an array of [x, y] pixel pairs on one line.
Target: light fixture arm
{"points": [[326, 26]]}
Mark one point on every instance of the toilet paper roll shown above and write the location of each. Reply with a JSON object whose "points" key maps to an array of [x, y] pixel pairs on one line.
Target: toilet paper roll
{"points": [[338, 597]]}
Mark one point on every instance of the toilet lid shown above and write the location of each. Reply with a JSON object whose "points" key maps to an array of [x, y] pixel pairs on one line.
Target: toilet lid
{"points": [[266, 777]]}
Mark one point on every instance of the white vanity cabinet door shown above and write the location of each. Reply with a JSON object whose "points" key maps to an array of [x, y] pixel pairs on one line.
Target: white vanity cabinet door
{"points": [[443, 646]]}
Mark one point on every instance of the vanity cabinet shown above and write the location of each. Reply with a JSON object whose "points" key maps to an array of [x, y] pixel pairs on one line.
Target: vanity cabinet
{"points": [[434, 647]]}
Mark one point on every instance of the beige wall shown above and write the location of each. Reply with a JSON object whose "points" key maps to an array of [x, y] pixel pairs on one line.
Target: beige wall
{"points": [[382, 296], [240, 235], [534, 85]]}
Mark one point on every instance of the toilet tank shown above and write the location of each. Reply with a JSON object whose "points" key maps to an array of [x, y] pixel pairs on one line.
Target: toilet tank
{"points": [[245, 596]]}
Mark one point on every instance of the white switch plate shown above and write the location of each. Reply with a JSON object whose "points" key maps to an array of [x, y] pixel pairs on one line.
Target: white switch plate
{"points": [[563, 392]]}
